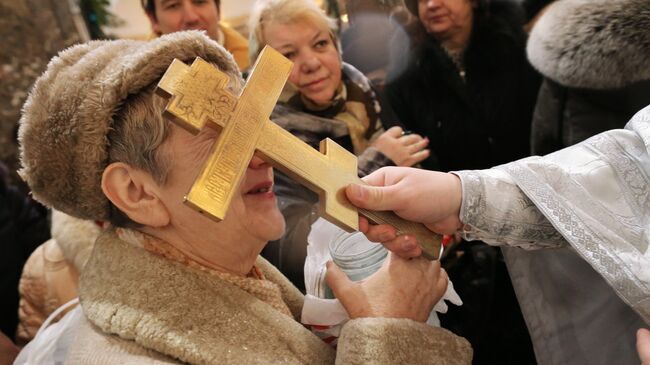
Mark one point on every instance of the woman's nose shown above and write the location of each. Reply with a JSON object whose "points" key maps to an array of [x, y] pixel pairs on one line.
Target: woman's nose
{"points": [[309, 63], [190, 16], [257, 162]]}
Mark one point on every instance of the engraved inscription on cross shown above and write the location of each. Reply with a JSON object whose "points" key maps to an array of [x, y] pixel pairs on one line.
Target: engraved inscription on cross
{"points": [[199, 95]]}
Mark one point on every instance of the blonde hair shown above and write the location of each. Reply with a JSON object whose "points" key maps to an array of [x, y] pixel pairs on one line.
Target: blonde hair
{"points": [[285, 12]]}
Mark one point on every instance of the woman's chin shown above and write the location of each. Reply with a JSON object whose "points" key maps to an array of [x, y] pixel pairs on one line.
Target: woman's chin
{"points": [[273, 228], [323, 98], [279, 231]]}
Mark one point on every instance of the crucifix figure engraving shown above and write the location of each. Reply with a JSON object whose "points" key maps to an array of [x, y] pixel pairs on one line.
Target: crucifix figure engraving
{"points": [[199, 96]]}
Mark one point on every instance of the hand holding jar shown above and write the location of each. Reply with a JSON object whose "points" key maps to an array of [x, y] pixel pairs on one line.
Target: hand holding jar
{"points": [[401, 288]]}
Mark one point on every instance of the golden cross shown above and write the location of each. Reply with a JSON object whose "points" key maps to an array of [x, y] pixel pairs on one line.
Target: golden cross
{"points": [[199, 95]]}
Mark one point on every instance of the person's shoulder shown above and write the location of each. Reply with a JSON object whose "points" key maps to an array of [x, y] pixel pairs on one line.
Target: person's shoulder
{"points": [[500, 31], [508, 9], [504, 16], [236, 44], [232, 38]]}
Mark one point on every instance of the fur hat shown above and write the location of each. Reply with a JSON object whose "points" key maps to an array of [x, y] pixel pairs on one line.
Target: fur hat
{"points": [[596, 44], [70, 110]]}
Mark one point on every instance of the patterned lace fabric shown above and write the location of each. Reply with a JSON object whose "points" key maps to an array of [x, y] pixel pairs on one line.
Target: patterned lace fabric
{"points": [[513, 221], [255, 283], [595, 195]]}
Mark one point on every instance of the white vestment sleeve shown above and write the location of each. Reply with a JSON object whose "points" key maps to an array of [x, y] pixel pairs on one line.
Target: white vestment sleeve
{"points": [[497, 212], [595, 194]]}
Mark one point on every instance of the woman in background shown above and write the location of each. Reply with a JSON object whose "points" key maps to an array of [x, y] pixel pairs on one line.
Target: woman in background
{"points": [[324, 98]]}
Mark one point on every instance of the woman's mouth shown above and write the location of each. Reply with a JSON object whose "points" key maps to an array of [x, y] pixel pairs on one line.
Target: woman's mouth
{"points": [[437, 18], [314, 83], [263, 189]]}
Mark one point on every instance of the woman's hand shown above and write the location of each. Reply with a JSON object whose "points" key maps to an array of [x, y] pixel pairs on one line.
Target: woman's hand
{"points": [[428, 197], [401, 288], [402, 149]]}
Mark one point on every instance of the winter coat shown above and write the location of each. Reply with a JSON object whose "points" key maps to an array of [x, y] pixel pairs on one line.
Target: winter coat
{"points": [[475, 123], [143, 308], [565, 116], [472, 124], [594, 80], [51, 274], [595, 57]]}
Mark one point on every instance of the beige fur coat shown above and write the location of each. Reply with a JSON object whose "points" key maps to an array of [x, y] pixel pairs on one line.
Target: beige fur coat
{"points": [[51, 274], [143, 309]]}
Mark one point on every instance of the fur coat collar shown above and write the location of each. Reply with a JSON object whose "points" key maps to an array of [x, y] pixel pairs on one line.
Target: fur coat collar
{"points": [[138, 302], [188, 314], [74, 236], [596, 44]]}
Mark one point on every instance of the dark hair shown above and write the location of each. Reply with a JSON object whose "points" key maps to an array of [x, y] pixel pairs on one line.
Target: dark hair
{"points": [[149, 6], [481, 6]]}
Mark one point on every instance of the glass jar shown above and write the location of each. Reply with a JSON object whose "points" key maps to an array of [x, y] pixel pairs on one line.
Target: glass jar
{"points": [[359, 258], [356, 256]]}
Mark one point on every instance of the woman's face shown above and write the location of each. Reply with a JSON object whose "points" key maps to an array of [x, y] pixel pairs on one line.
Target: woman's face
{"points": [[317, 67], [253, 215], [443, 18]]}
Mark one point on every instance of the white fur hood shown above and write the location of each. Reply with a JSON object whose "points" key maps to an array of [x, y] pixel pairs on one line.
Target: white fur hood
{"points": [[595, 44]]}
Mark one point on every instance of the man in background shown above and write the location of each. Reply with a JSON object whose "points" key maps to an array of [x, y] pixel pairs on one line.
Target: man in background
{"points": [[169, 16]]}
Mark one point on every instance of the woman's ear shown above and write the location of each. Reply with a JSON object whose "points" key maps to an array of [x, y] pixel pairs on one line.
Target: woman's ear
{"points": [[135, 193]]}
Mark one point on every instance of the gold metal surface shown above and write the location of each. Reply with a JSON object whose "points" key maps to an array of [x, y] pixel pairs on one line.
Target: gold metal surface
{"points": [[199, 96]]}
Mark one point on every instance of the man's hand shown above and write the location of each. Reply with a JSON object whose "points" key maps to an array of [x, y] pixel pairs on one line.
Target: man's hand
{"points": [[643, 345], [401, 288], [428, 197]]}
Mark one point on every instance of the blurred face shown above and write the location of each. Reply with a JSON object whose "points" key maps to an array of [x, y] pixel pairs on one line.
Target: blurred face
{"points": [[317, 68], [253, 215], [444, 18], [177, 15]]}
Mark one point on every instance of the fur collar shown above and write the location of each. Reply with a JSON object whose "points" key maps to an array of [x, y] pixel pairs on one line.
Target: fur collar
{"points": [[191, 315], [597, 44], [74, 236]]}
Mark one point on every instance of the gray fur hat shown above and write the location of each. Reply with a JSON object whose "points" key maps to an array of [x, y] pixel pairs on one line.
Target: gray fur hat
{"points": [[69, 112], [596, 44]]}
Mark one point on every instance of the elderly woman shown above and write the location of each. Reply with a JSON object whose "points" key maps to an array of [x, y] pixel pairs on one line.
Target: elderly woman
{"points": [[324, 98], [166, 284]]}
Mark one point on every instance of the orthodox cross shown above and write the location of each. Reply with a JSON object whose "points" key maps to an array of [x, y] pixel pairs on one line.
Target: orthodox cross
{"points": [[199, 95]]}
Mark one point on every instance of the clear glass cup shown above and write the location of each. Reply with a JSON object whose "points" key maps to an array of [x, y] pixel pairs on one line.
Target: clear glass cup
{"points": [[356, 256], [359, 258]]}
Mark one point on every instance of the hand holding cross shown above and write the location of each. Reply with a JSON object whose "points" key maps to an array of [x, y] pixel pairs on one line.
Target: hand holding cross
{"points": [[199, 95]]}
